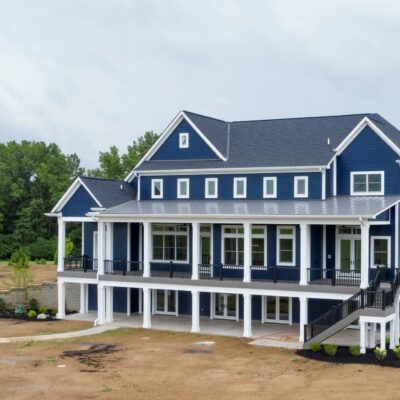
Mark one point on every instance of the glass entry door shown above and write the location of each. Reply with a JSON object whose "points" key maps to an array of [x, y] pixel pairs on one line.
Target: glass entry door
{"points": [[349, 255], [225, 306], [166, 302], [277, 309]]}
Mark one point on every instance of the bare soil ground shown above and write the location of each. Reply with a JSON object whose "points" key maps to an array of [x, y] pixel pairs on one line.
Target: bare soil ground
{"points": [[140, 364], [11, 327], [41, 273]]}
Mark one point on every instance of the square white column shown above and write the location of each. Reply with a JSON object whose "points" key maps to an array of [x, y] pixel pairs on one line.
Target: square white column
{"points": [[100, 247], [383, 335], [303, 317], [305, 243], [372, 335], [61, 245], [392, 340], [146, 308], [195, 311], [61, 300], [82, 298], [247, 252], [364, 256], [195, 250], [146, 249], [101, 304], [247, 315], [363, 334], [128, 302], [109, 304]]}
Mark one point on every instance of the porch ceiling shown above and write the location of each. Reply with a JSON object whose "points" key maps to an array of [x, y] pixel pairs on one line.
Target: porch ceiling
{"points": [[342, 206]]}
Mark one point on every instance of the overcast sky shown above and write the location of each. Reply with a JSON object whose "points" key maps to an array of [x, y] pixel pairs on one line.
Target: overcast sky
{"points": [[89, 74]]}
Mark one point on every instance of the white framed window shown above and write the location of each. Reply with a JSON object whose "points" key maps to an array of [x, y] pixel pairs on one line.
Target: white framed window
{"points": [[380, 251], [286, 245], [183, 140], [157, 188], [258, 246], [211, 188], [239, 188], [170, 243], [183, 188], [301, 186], [276, 309], [367, 183], [269, 187]]}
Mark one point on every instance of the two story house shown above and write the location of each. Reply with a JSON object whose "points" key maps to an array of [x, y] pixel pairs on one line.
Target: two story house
{"points": [[288, 221]]}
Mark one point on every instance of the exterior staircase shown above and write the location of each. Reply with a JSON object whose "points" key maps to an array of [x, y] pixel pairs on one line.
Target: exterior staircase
{"points": [[377, 300]]}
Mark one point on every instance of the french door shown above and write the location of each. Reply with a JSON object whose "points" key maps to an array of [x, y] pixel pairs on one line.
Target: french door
{"points": [[349, 254], [226, 306], [165, 302], [277, 309]]}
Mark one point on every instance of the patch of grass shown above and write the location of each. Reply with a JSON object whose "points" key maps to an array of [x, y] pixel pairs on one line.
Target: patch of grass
{"points": [[298, 360], [115, 332], [52, 359], [28, 343], [106, 389]]}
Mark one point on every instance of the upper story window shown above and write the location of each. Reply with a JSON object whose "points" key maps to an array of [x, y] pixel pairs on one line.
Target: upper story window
{"points": [[157, 189], [211, 188], [380, 251], [301, 186], [170, 242], [367, 183], [183, 140], [286, 245], [269, 187], [183, 188], [239, 188]]}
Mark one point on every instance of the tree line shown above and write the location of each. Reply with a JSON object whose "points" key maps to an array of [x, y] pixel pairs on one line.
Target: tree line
{"points": [[33, 177]]}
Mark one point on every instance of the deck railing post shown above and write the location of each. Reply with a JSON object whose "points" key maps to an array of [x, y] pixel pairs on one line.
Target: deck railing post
{"points": [[221, 272], [334, 277], [171, 270], [383, 300], [84, 263], [362, 302], [124, 267]]}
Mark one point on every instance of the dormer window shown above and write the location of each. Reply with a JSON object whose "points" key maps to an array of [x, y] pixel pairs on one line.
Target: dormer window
{"points": [[239, 188], [211, 188], [157, 188], [183, 140], [367, 183], [183, 188], [301, 186]]}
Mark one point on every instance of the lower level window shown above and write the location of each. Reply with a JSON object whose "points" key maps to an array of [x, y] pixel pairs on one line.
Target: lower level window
{"points": [[380, 251], [277, 309], [170, 242], [286, 245]]}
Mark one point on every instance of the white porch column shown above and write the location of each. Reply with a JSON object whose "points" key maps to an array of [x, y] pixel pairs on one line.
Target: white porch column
{"points": [[83, 298], [305, 234], [128, 302], [101, 304], [109, 240], [392, 339], [383, 335], [146, 308], [100, 247], [109, 304], [195, 250], [372, 335], [396, 323], [303, 317], [363, 341], [247, 315], [247, 252], [364, 256], [195, 311], [140, 301], [61, 300], [146, 249], [61, 245]]}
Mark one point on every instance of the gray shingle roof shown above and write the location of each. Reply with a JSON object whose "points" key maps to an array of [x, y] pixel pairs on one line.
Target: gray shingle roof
{"points": [[346, 206], [274, 143], [108, 191]]}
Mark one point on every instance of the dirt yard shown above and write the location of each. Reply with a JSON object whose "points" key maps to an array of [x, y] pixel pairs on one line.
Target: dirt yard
{"points": [[41, 273], [139, 364], [11, 327]]}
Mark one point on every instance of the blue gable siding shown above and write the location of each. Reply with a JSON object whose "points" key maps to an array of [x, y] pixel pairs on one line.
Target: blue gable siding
{"points": [[285, 186], [368, 152], [198, 148], [79, 204], [120, 241], [328, 182]]}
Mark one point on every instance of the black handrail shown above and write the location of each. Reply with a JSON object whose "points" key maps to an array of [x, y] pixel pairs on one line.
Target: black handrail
{"points": [[333, 277], [172, 270], [123, 267], [81, 263]]}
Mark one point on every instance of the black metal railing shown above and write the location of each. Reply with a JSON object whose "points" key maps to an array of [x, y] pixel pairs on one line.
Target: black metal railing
{"points": [[170, 270], [123, 267], [333, 277], [82, 264], [275, 274], [222, 272]]}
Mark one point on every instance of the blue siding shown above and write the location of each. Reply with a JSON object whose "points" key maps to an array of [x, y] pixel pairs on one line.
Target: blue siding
{"points": [[316, 246], [79, 204], [92, 297], [368, 152], [317, 307], [285, 186], [330, 246], [198, 148], [135, 242], [89, 228], [329, 182], [120, 241]]}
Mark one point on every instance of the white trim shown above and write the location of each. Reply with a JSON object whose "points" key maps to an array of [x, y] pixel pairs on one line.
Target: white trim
{"points": [[396, 236], [235, 182], [285, 236], [324, 255], [295, 187], [367, 193], [95, 245], [83, 239], [236, 236], [359, 128], [334, 177], [153, 183], [70, 192], [389, 250], [265, 180], [183, 144], [206, 192], [179, 195], [323, 184], [138, 188]]}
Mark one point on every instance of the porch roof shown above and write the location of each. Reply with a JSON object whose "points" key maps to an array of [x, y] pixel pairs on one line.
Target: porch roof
{"points": [[342, 206]]}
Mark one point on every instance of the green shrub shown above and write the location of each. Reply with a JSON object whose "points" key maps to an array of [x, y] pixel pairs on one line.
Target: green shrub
{"points": [[355, 350], [396, 351], [20, 309], [31, 313], [2, 304], [380, 354], [43, 310], [42, 249], [69, 246], [316, 346], [33, 304], [19, 259], [330, 349], [42, 261]]}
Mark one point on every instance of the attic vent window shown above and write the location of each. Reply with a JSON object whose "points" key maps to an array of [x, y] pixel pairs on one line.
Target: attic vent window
{"points": [[183, 140]]}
